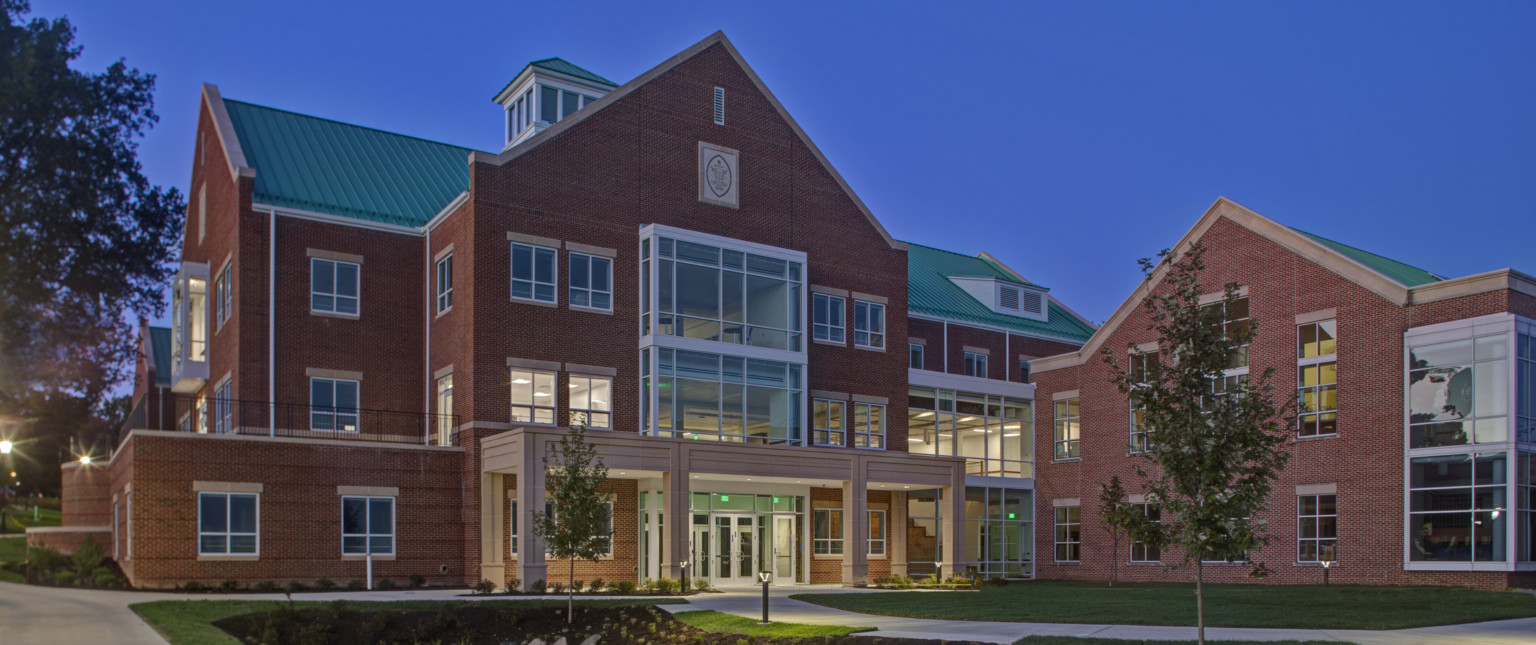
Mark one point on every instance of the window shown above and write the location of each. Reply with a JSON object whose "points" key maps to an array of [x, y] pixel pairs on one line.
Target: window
{"points": [[1023, 369], [224, 410], [591, 282], [1232, 320], [723, 295], [116, 545], [533, 397], [591, 401], [1458, 392], [1317, 528], [227, 523], [333, 404], [197, 319], [332, 286], [719, 106], [445, 283], [827, 323], [1141, 551], [994, 434], [1068, 429], [533, 273], [223, 297], [368, 525], [1069, 537], [876, 533], [445, 410], [828, 526], [827, 422], [512, 525], [1144, 368], [1317, 378], [914, 356], [699, 395], [976, 364], [999, 532], [868, 425], [604, 532], [202, 415], [1457, 508], [868, 324]]}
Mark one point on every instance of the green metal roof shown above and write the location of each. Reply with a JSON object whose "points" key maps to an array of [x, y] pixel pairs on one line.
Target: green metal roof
{"points": [[1407, 274], [160, 344], [930, 291], [316, 164], [566, 67]]}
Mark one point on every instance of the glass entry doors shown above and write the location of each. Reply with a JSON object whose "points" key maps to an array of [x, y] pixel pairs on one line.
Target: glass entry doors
{"points": [[783, 548], [734, 551]]}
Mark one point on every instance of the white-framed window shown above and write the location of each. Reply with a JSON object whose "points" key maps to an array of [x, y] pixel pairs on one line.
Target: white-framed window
{"points": [[202, 415], [976, 364], [604, 532], [116, 544], [228, 523], [1144, 367], [367, 525], [1068, 428], [512, 525], [223, 409], [1317, 379], [591, 401], [1141, 551], [445, 410], [827, 318], [128, 514], [223, 296], [533, 273], [333, 286], [445, 283], [868, 324], [1023, 369], [533, 396], [1069, 534], [827, 422], [591, 281], [877, 533], [1317, 528], [827, 538], [333, 404], [914, 356], [556, 104], [868, 425]]}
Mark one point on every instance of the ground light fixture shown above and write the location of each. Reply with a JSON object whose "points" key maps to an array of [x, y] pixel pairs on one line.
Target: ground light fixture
{"points": [[764, 577]]}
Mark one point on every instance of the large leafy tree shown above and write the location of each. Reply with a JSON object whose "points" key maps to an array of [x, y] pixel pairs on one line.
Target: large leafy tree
{"points": [[1215, 441], [577, 510], [88, 240]]}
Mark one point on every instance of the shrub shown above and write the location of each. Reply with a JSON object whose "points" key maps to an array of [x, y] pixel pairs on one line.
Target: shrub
{"points": [[193, 586], [354, 585], [667, 586], [384, 585], [265, 586], [648, 586], [537, 588], [104, 577], [701, 584], [578, 585], [904, 582], [325, 583], [484, 587], [623, 587], [514, 585], [86, 558], [998, 581], [64, 577], [418, 580], [229, 585], [556, 588], [44, 559], [294, 586], [597, 586]]}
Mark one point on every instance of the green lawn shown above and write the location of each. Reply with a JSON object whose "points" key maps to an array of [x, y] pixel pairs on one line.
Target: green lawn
{"points": [[1075, 640], [1314, 607], [18, 518], [190, 622], [714, 621], [13, 549]]}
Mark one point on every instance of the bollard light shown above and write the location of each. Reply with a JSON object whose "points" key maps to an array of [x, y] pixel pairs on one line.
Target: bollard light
{"points": [[764, 577]]}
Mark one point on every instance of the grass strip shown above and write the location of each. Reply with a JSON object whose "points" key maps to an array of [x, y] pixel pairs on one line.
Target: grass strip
{"points": [[714, 621]]}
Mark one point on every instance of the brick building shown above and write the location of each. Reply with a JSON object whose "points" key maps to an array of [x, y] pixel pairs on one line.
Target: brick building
{"points": [[376, 339], [1412, 455]]}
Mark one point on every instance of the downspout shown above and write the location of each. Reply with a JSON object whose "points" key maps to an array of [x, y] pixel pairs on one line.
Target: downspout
{"points": [[272, 324], [427, 323], [946, 347]]}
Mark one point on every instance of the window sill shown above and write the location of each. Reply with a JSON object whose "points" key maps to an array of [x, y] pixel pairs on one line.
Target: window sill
{"points": [[877, 556], [592, 310], [362, 558], [823, 556], [867, 348], [442, 313], [868, 448], [534, 424], [228, 558], [1066, 460], [1070, 563], [536, 303], [1316, 437], [1144, 563], [327, 314], [829, 343]]}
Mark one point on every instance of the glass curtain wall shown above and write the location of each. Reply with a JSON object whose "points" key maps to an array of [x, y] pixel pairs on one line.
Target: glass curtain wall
{"points": [[998, 532], [725, 398], [995, 434], [924, 532], [1458, 392], [718, 294]]}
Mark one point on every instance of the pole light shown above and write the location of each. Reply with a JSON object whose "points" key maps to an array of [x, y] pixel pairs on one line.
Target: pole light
{"points": [[764, 577], [5, 447]]}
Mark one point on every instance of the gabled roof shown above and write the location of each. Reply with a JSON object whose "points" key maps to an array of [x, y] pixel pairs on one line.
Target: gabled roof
{"points": [[930, 291], [563, 66], [314, 164], [160, 354], [1409, 275]]}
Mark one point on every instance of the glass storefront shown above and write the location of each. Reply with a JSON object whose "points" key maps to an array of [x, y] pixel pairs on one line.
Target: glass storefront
{"points": [[724, 398], [924, 532], [999, 538], [994, 434]]}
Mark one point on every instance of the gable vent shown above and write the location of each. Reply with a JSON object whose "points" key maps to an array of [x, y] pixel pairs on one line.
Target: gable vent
{"points": [[719, 106], [1008, 298], [1034, 303]]}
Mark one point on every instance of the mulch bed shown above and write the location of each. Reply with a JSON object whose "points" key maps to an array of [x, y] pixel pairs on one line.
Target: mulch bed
{"points": [[474, 624]]}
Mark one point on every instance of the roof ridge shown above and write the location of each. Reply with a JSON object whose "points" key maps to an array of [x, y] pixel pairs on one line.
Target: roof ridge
{"points": [[1370, 253], [352, 125]]}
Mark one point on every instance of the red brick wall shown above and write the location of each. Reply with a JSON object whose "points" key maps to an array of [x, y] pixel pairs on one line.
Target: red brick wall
{"points": [[1365, 459], [84, 497], [1005, 350], [824, 569]]}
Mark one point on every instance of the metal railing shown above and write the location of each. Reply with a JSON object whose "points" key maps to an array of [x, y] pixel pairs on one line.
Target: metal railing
{"points": [[212, 415]]}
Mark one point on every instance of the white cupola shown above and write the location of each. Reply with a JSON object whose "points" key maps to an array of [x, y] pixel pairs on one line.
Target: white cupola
{"points": [[545, 92]]}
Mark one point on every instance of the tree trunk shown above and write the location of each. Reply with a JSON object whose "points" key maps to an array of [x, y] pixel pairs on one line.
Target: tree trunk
{"points": [[570, 595], [1114, 563], [1200, 602]]}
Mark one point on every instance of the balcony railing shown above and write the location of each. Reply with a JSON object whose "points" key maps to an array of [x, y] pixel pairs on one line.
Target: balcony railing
{"points": [[208, 415]]}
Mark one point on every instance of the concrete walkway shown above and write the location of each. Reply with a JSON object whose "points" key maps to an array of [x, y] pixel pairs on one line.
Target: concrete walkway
{"points": [[34, 615]]}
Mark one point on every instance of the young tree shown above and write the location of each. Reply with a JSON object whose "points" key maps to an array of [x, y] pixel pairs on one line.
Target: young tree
{"points": [[88, 241], [1215, 442], [1121, 519], [573, 524]]}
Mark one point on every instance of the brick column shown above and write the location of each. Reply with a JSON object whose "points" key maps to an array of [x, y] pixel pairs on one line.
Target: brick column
{"points": [[530, 498], [896, 533], [855, 529]]}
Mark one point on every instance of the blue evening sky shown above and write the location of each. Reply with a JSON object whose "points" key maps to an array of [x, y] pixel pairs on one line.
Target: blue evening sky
{"points": [[1066, 138]]}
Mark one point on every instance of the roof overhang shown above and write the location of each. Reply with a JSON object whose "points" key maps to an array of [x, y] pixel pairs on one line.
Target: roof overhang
{"points": [[234, 155]]}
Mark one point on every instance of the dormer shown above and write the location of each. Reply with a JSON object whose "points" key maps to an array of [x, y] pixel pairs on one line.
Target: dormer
{"points": [[1007, 297], [545, 92]]}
